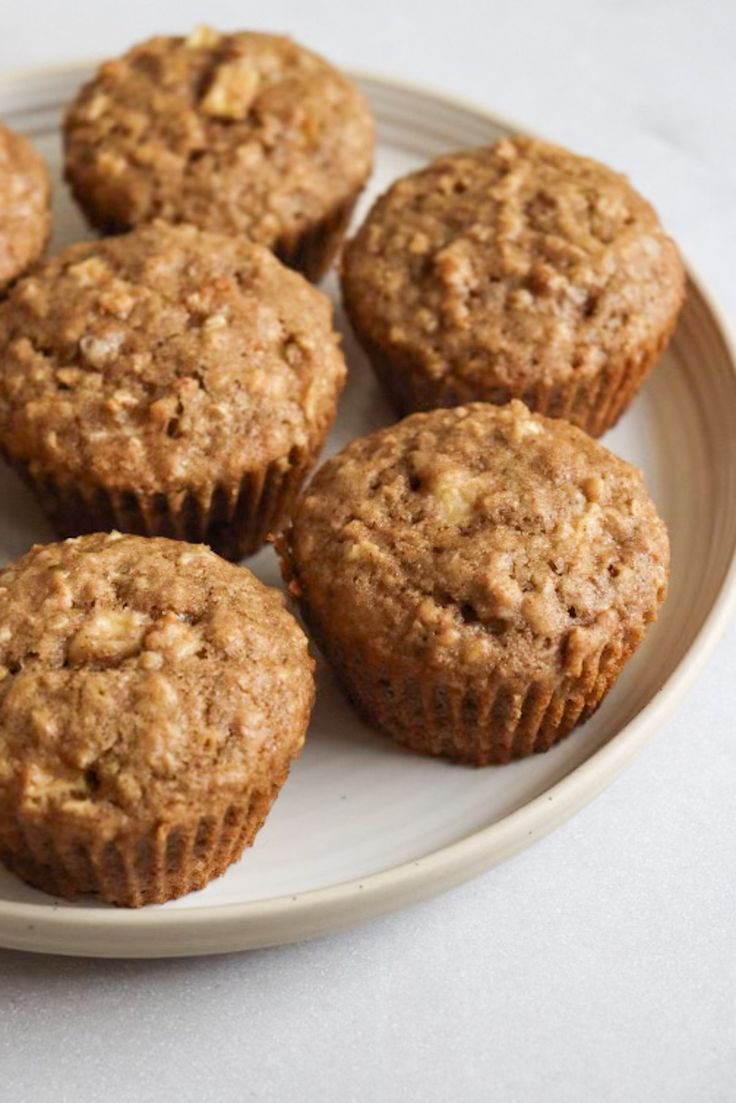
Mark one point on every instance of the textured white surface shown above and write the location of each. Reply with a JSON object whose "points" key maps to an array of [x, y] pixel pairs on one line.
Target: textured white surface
{"points": [[599, 965]]}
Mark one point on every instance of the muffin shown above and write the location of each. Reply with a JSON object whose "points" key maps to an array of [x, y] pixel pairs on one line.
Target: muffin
{"points": [[169, 382], [152, 698], [477, 577], [515, 271], [245, 134], [25, 196]]}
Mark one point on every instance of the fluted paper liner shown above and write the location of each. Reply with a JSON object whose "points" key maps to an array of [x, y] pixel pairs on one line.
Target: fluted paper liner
{"points": [[479, 722], [138, 867], [594, 404], [233, 518], [312, 251], [309, 251]]}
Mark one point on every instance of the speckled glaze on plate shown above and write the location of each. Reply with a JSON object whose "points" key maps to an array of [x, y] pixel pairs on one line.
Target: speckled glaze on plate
{"points": [[363, 827]]}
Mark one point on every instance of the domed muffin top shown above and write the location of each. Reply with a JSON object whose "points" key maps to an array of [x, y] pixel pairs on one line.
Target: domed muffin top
{"points": [[513, 265], [162, 358], [25, 194], [481, 537], [246, 133], [139, 677]]}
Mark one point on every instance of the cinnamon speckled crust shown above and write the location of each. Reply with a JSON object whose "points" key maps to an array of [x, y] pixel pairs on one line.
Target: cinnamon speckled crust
{"points": [[519, 270], [152, 697], [167, 366], [247, 134], [25, 195], [477, 576]]}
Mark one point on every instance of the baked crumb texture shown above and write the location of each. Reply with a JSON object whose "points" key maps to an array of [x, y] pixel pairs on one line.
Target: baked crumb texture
{"points": [[152, 697], [477, 577], [168, 382], [515, 271], [245, 134], [25, 197]]}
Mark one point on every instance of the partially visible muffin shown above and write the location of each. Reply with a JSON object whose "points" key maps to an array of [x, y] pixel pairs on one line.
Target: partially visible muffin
{"points": [[152, 698], [168, 382], [246, 134], [477, 577], [515, 271], [25, 197]]}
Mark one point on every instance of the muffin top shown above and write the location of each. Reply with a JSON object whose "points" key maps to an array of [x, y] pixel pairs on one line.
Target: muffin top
{"points": [[141, 677], [513, 264], [245, 133], [476, 538], [25, 193], [163, 357]]}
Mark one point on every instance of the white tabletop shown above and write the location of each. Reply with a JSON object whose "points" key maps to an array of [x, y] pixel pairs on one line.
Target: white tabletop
{"points": [[599, 965]]}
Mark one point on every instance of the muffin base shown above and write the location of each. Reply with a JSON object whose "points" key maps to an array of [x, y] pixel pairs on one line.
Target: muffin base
{"points": [[594, 404], [313, 251], [234, 519], [480, 724], [310, 252], [169, 860]]}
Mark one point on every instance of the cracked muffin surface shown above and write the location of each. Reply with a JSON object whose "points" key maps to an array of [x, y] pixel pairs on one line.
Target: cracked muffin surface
{"points": [[470, 551], [169, 364], [518, 270], [25, 196], [145, 685], [245, 133]]}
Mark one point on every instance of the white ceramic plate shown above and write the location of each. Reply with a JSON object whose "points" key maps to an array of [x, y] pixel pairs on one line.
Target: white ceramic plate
{"points": [[363, 827]]}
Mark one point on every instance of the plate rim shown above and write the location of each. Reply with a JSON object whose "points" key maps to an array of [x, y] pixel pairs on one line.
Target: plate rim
{"points": [[86, 931]]}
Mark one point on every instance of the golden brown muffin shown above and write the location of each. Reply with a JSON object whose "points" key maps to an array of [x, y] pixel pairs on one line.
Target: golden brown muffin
{"points": [[245, 134], [169, 382], [477, 577], [152, 698], [25, 195], [515, 271]]}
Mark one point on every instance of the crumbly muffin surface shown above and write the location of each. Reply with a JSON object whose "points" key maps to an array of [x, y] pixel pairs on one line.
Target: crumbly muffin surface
{"points": [[508, 266], [245, 133], [25, 192], [479, 538], [162, 358], [142, 678]]}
